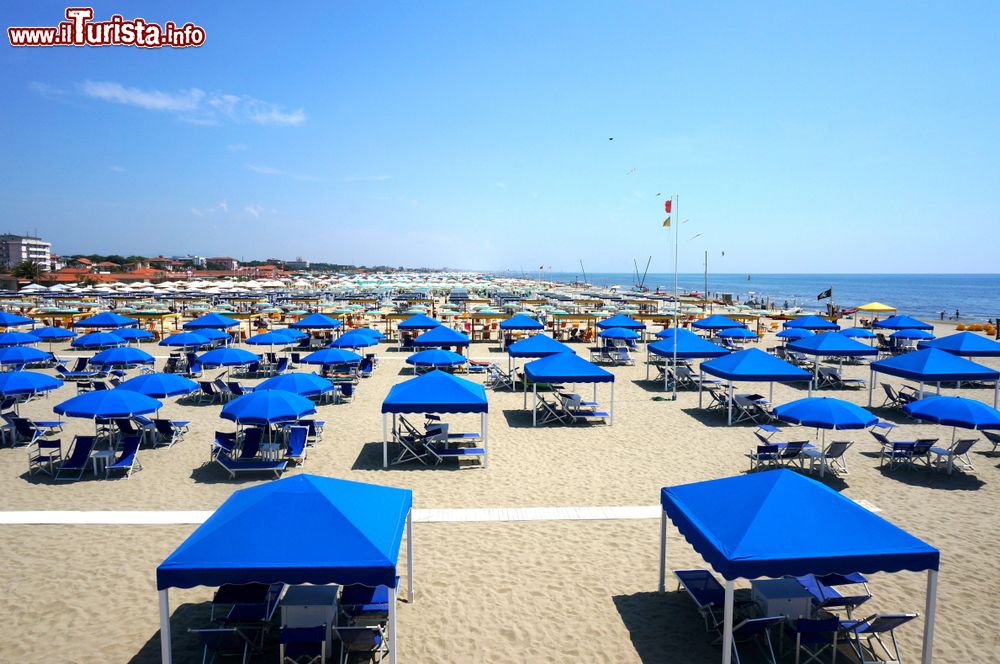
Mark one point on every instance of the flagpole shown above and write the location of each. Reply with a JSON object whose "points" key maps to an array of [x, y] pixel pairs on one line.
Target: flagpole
{"points": [[677, 300]]}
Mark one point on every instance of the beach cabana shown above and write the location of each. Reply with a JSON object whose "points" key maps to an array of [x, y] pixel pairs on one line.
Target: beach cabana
{"points": [[535, 346], [441, 337], [903, 323], [319, 531], [621, 320], [963, 344], [932, 365], [689, 346], [752, 365], [436, 393], [830, 344], [813, 323], [566, 368], [753, 537], [521, 322], [418, 322]]}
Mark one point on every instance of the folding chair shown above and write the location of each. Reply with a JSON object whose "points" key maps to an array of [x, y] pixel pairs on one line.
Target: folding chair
{"points": [[168, 432], [75, 464], [43, 455], [413, 443], [225, 642], [549, 411], [302, 645], [864, 634], [814, 637], [128, 460], [833, 456], [957, 454], [766, 455], [826, 596]]}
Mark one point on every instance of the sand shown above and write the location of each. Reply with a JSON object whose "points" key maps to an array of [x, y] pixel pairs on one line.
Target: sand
{"points": [[490, 592]]}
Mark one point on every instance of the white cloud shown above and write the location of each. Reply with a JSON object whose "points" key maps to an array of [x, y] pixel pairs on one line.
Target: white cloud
{"points": [[238, 147], [255, 210], [191, 105], [116, 168], [221, 206]]}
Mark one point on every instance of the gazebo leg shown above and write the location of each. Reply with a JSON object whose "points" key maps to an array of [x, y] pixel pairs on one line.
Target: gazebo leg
{"points": [[165, 650], [928, 650], [409, 556], [727, 625], [392, 625], [663, 551]]}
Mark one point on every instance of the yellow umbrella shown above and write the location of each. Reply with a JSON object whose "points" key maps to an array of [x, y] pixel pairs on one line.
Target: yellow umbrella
{"points": [[876, 307]]}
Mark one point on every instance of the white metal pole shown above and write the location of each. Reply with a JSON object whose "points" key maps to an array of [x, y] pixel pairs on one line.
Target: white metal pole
{"points": [[929, 610], [677, 300], [612, 418], [663, 550], [484, 427], [727, 625], [385, 441], [871, 381], [701, 378], [392, 625], [647, 362], [534, 404], [165, 650], [996, 392], [409, 555], [730, 401]]}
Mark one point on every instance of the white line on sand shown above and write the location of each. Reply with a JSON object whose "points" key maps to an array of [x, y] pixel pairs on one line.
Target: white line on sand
{"points": [[446, 515]]}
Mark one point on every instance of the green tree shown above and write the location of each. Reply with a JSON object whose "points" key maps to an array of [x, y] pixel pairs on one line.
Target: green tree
{"points": [[27, 270]]}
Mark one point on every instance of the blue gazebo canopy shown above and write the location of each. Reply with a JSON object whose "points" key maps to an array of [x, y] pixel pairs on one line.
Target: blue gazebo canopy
{"points": [[316, 322], [436, 392], [754, 364], [520, 322], [716, 322], [418, 322], [319, 530], [566, 368], [441, 336], [963, 344], [621, 320], [108, 319], [753, 537], [934, 366], [903, 323], [537, 345], [812, 322], [211, 321], [831, 344], [689, 346]]}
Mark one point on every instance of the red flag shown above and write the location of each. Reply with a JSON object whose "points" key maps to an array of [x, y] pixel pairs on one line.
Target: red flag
{"points": [[666, 205]]}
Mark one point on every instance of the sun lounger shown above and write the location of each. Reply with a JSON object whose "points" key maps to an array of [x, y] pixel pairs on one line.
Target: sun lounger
{"points": [[25, 431], [832, 457], [412, 442], [224, 441], [549, 411], [302, 645], [73, 376], [127, 460], [831, 377], [826, 596], [222, 388], [896, 399], [43, 455], [73, 467], [207, 392], [367, 639], [237, 466], [296, 450], [168, 432], [865, 634], [956, 454], [497, 378], [789, 453], [225, 642]]}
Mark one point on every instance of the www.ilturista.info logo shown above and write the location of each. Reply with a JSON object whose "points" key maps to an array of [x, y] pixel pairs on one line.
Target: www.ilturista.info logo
{"points": [[81, 30]]}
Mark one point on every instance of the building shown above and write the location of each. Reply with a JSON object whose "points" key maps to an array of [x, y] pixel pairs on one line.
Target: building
{"points": [[16, 249], [190, 261], [222, 263], [297, 264]]}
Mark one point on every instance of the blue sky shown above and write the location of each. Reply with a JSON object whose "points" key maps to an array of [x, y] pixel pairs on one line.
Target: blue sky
{"points": [[800, 136]]}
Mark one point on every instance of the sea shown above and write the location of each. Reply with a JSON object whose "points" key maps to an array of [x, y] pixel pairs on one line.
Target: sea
{"points": [[973, 297]]}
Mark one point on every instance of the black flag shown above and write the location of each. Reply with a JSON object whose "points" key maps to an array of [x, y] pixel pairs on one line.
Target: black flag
{"points": [[825, 294]]}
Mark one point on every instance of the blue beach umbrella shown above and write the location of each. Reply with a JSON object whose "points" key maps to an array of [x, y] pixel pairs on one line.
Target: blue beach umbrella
{"points": [[134, 334], [214, 334], [211, 321], [16, 383], [316, 322], [228, 357], [106, 320], [903, 323], [23, 355], [857, 333], [8, 319], [354, 339], [273, 338], [825, 413], [160, 385], [126, 356], [264, 407], [186, 340], [373, 333], [954, 412], [791, 333], [108, 404], [715, 322], [812, 322], [51, 334], [17, 339], [97, 341], [912, 333], [303, 384], [332, 356]]}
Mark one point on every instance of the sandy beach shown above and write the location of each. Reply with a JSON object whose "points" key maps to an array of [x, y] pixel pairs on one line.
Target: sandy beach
{"points": [[556, 591]]}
